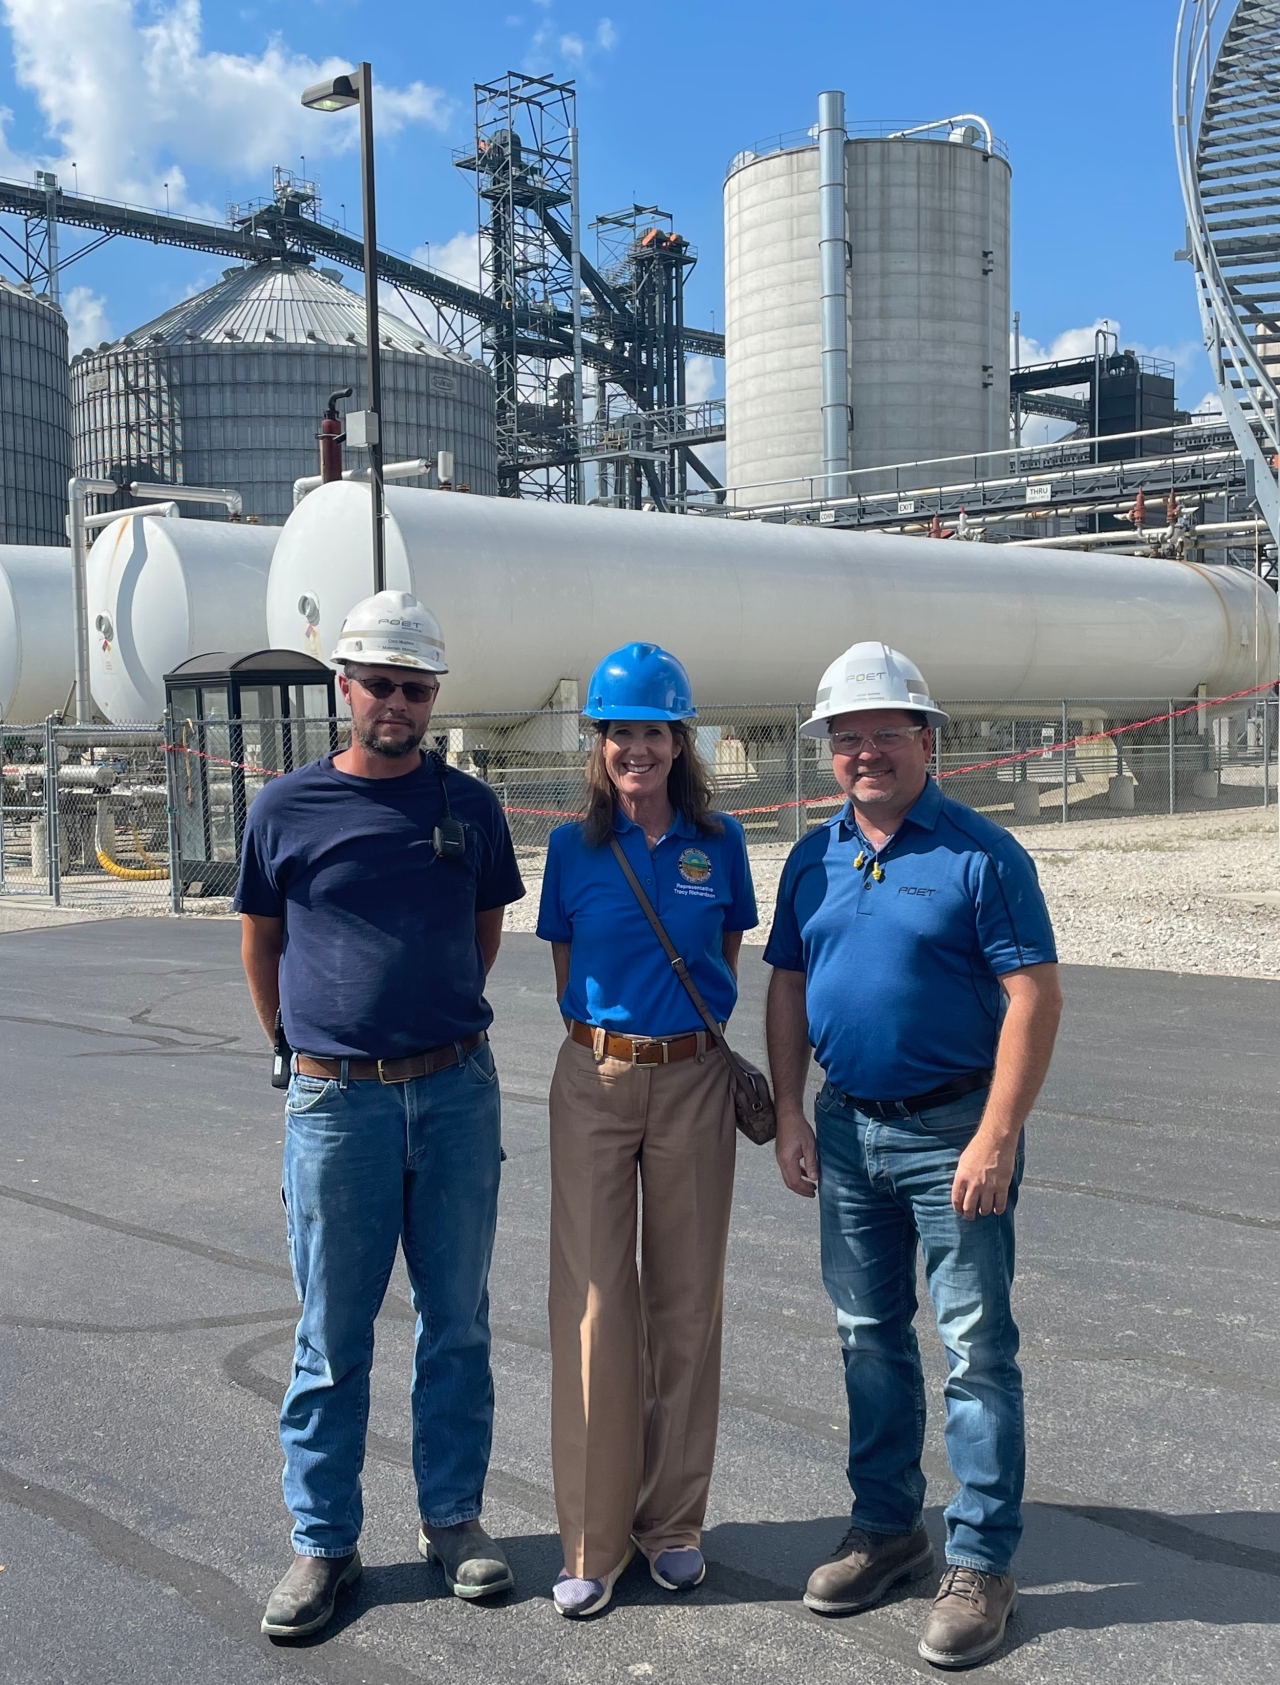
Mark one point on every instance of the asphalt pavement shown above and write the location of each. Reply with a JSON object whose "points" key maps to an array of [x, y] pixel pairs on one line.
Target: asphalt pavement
{"points": [[146, 1314]]}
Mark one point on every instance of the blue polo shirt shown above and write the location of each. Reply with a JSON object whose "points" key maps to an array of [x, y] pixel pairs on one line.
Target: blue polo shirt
{"points": [[619, 976], [902, 973], [380, 954]]}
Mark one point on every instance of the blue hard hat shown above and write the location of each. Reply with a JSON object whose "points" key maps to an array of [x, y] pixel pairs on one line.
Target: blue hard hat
{"points": [[640, 682]]}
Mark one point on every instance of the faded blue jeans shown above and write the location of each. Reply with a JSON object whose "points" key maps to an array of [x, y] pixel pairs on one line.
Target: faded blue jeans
{"points": [[366, 1167], [883, 1188]]}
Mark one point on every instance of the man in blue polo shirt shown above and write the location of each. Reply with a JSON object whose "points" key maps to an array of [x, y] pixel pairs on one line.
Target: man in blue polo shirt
{"points": [[912, 950], [372, 889]]}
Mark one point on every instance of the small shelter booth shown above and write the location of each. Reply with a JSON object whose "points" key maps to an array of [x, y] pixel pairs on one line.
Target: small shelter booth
{"points": [[234, 723]]}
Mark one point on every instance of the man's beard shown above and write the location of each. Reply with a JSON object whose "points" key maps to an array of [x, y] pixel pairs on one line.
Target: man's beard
{"points": [[393, 751]]}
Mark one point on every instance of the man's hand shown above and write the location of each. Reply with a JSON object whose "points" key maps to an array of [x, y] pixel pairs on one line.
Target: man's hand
{"points": [[796, 1150], [983, 1176], [985, 1170]]}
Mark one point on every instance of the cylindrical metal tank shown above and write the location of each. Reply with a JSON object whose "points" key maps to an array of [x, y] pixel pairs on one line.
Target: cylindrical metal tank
{"points": [[35, 419], [530, 594], [161, 590], [37, 668], [928, 301], [228, 388]]}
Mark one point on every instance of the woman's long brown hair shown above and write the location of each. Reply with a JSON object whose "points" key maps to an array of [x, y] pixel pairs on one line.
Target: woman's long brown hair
{"points": [[689, 788]]}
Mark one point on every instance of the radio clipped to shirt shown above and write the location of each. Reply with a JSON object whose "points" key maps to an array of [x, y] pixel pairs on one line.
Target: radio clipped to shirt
{"points": [[282, 1056], [449, 838]]}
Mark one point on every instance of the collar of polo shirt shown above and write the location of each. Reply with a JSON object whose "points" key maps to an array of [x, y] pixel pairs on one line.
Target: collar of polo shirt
{"points": [[680, 826], [924, 812]]}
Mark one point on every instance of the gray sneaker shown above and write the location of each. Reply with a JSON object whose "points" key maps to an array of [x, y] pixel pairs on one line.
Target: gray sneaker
{"points": [[474, 1564], [864, 1566], [968, 1618], [304, 1600]]}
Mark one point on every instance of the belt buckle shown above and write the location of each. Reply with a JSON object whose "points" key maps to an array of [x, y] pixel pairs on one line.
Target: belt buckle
{"points": [[386, 1082], [635, 1050]]}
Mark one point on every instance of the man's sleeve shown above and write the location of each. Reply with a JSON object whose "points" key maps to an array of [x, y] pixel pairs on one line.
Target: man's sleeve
{"points": [[553, 920], [258, 890], [1013, 922], [785, 947], [499, 882], [741, 912]]}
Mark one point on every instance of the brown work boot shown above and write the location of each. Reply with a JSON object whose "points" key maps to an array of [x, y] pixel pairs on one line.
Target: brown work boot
{"points": [[862, 1568], [968, 1618], [304, 1599]]}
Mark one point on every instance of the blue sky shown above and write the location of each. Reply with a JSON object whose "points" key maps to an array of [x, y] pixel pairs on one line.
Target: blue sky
{"points": [[140, 93]]}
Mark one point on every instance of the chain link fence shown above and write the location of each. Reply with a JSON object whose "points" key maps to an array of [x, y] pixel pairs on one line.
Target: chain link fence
{"points": [[148, 818]]}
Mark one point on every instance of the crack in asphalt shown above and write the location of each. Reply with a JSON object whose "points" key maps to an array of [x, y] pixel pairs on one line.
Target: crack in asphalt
{"points": [[1237, 1217]]}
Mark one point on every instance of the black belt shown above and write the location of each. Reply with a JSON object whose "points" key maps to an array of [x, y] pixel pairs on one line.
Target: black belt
{"points": [[956, 1089]]}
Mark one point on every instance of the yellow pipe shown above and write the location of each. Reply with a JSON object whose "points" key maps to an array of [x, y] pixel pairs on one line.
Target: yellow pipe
{"points": [[134, 874]]}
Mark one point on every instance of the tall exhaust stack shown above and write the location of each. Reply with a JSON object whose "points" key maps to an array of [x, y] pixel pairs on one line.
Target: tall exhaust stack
{"points": [[833, 248]]}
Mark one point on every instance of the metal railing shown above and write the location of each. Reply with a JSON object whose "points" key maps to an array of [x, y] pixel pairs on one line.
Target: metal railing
{"points": [[152, 818]]}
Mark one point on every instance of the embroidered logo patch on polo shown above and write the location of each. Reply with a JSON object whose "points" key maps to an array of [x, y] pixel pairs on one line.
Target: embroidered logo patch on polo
{"points": [[695, 866]]}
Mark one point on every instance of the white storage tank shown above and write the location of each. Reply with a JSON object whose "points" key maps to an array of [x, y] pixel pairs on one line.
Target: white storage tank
{"points": [[530, 594], [161, 590], [927, 305], [37, 662]]}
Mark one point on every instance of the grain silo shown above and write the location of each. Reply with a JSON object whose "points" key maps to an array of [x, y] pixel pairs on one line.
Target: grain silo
{"points": [[917, 241], [227, 389], [35, 419]]}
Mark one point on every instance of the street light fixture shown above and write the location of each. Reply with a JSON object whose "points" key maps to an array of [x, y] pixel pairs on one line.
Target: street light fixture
{"points": [[355, 87]]}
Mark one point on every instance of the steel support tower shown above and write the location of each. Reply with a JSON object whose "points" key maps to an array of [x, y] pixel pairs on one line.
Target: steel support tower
{"points": [[526, 182]]}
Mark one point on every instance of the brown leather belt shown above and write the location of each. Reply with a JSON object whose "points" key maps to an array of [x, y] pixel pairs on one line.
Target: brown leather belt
{"points": [[640, 1050], [391, 1070]]}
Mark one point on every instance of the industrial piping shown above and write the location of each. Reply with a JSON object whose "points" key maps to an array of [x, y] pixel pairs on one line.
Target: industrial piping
{"points": [[833, 247]]}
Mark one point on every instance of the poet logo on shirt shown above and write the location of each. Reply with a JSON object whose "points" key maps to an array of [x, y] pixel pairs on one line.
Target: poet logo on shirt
{"points": [[695, 866]]}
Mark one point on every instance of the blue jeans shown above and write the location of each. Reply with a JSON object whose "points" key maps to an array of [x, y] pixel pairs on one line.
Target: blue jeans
{"points": [[883, 1188], [366, 1167]]}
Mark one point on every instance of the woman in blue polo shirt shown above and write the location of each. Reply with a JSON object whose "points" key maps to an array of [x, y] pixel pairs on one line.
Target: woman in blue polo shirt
{"points": [[640, 1096]]}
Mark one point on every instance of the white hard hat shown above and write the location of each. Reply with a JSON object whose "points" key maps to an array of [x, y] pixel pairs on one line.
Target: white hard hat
{"points": [[870, 676], [392, 629]]}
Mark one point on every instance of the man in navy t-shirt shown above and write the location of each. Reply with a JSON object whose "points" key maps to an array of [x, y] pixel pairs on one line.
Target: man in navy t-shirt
{"points": [[372, 889]]}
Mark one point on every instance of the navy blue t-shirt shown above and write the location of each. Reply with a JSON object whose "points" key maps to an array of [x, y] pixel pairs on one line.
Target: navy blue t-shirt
{"points": [[380, 955], [902, 972]]}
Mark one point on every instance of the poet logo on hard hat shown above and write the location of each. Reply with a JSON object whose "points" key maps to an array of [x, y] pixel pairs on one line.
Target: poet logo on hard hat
{"points": [[695, 866]]}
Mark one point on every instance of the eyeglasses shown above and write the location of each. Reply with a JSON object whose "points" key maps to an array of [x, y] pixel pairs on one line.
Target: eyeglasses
{"points": [[413, 692], [887, 739]]}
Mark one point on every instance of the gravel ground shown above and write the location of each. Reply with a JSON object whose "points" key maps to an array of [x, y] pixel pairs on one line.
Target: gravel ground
{"points": [[1196, 892]]}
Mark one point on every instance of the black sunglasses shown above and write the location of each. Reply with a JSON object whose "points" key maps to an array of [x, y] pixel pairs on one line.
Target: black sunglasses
{"points": [[412, 691]]}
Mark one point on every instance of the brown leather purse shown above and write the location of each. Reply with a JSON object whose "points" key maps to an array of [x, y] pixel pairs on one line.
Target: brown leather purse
{"points": [[752, 1101]]}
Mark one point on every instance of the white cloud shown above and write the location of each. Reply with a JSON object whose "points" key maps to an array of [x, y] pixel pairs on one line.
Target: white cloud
{"points": [[87, 321], [549, 48], [130, 92], [701, 377], [459, 257]]}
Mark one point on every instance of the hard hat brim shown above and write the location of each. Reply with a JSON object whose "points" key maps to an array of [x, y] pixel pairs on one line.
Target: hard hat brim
{"points": [[633, 711], [819, 724], [385, 658]]}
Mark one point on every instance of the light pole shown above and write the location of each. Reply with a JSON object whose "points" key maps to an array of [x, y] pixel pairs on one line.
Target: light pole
{"points": [[355, 87]]}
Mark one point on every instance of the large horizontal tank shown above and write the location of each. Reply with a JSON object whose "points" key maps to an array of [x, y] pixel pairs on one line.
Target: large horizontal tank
{"points": [[227, 389], [35, 419], [37, 662], [533, 593], [928, 305], [161, 590]]}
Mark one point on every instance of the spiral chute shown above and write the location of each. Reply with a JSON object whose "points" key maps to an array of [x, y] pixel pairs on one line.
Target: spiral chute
{"points": [[1227, 128]]}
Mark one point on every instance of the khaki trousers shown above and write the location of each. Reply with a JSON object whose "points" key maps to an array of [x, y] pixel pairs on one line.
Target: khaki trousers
{"points": [[635, 1354]]}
